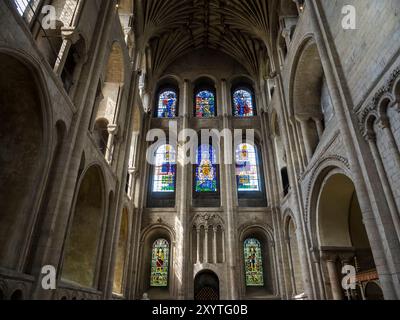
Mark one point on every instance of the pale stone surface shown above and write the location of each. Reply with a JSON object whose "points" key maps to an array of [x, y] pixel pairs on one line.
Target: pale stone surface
{"points": [[76, 108]]}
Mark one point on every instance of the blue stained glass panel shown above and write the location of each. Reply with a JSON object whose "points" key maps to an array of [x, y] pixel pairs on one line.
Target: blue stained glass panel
{"points": [[205, 104], [243, 103], [167, 102]]}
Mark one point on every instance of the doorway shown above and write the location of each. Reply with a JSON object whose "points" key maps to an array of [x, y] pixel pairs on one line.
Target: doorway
{"points": [[206, 286]]}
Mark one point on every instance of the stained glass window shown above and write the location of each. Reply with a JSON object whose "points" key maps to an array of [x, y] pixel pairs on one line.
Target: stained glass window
{"points": [[206, 170], [247, 169], [159, 263], [243, 103], [167, 102], [205, 104], [253, 263], [164, 169]]}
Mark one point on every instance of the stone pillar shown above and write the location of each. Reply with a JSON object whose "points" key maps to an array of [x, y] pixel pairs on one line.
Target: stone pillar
{"points": [[112, 132], [330, 261], [215, 230], [384, 124], [226, 179], [291, 269], [198, 245], [319, 125], [304, 130], [223, 246], [316, 259], [182, 232], [205, 251], [371, 139]]}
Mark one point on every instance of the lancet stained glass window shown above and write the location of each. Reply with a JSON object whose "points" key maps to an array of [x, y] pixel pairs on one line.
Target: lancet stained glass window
{"points": [[159, 263], [205, 104], [253, 263], [167, 102], [164, 169], [247, 168], [243, 103], [206, 170]]}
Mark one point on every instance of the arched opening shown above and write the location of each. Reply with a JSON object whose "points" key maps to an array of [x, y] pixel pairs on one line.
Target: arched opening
{"points": [[373, 291], [157, 265], [101, 134], [17, 295], [206, 183], [166, 101], [341, 233], [250, 182], [243, 101], [206, 286], [205, 99], [312, 102], [82, 250], [112, 92], [257, 264], [120, 265], [294, 259], [162, 182], [75, 56], [22, 133], [280, 154]]}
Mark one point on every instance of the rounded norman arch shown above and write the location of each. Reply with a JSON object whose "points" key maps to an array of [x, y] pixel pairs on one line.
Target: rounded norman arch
{"points": [[25, 137], [82, 252]]}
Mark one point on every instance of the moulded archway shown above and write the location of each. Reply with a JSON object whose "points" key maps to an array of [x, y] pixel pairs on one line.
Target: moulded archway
{"points": [[149, 238], [206, 286], [119, 271], [23, 139], [341, 234], [83, 245]]}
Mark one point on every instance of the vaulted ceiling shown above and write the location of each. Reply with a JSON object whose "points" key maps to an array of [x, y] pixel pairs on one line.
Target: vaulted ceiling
{"points": [[168, 29]]}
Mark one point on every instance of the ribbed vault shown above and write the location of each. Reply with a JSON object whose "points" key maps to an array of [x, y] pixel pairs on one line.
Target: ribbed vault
{"points": [[167, 29]]}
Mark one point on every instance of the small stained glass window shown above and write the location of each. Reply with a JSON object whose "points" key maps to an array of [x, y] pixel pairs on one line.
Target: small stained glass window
{"points": [[247, 168], [243, 105], [253, 263], [167, 104], [206, 170], [159, 263], [205, 104], [164, 169]]}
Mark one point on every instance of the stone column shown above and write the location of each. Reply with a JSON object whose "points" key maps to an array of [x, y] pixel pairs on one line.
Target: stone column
{"points": [[112, 132], [330, 261], [215, 230], [205, 251], [223, 246], [198, 245], [226, 179], [316, 259], [371, 139], [291, 270], [319, 125], [183, 232], [304, 130], [384, 124]]}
